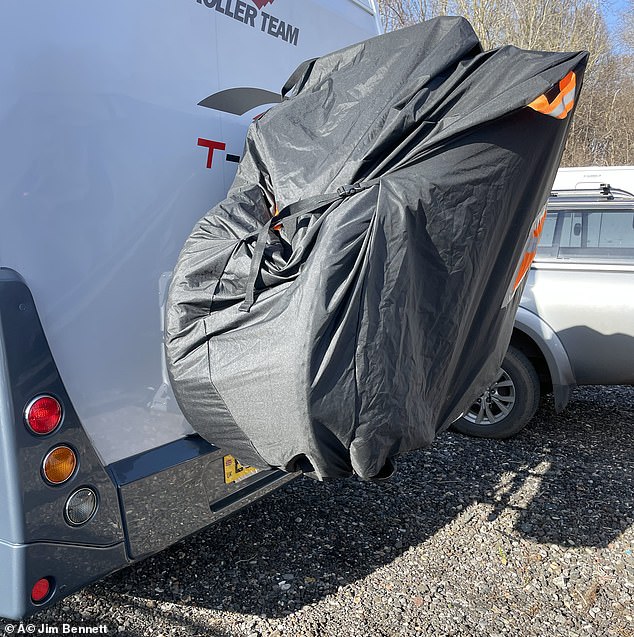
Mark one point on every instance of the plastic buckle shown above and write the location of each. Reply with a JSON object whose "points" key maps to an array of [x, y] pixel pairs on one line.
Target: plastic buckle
{"points": [[349, 189]]}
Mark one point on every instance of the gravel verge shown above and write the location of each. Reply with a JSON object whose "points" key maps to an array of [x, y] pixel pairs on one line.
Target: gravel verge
{"points": [[530, 536]]}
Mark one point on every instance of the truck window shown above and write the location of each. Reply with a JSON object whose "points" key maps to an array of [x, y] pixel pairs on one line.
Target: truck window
{"points": [[617, 229], [597, 235], [547, 246]]}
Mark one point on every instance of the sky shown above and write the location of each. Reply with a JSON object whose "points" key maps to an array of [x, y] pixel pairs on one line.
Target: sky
{"points": [[612, 11]]}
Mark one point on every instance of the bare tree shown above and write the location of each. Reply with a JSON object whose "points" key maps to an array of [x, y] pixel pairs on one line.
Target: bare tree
{"points": [[627, 29], [603, 128]]}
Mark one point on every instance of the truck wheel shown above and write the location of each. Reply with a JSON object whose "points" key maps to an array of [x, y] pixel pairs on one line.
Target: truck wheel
{"points": [[507, 405]]}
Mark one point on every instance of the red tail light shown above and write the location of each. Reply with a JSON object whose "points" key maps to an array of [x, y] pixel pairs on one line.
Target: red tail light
{"points": [[43, 415], [41, 590]]}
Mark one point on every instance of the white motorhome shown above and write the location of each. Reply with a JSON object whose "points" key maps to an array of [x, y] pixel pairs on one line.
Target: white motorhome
{"points": [[593, 177], [121, 124]]}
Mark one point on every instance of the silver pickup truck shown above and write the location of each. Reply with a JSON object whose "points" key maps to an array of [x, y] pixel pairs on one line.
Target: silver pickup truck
{"points": [[575, 324]]}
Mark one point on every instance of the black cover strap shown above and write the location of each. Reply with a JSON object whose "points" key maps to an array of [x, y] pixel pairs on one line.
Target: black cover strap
{"points": [[299, 77], [311, 205]]}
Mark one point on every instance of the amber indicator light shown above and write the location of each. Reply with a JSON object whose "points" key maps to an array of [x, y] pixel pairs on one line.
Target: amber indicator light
{"points": [[59, 465]]}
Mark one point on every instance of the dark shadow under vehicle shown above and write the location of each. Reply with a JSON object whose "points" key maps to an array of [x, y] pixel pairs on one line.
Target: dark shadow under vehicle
{"points": [[317, 537]]}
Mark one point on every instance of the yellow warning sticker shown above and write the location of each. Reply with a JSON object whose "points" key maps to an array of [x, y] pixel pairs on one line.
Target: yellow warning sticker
{"points": [[234, 471]]}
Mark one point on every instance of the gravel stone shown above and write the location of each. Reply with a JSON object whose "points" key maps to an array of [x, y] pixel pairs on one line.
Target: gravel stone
{"points": [[532, 536]]}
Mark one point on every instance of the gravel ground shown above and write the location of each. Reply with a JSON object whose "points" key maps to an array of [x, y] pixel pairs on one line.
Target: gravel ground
{"points": [[531, 536]]}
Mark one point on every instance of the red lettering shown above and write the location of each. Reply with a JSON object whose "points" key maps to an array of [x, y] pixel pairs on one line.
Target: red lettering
{"points": [[211, 146]]}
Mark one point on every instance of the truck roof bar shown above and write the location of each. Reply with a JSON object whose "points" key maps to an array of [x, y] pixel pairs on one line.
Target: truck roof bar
{"points": [[604, 189]]}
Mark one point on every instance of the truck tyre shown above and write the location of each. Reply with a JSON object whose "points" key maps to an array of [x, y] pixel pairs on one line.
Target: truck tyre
{"points": [[508, 404]]}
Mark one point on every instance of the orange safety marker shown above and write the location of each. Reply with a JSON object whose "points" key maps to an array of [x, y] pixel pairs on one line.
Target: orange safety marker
{"points": [[528, 256], [563, 102]]}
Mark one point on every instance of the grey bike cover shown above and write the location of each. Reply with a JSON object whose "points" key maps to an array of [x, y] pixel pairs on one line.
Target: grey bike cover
{"points": [[362, 320]]}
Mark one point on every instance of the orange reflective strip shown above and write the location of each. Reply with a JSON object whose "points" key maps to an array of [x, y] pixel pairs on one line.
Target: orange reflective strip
{"points": [[568, 91], [568, 108], [524, 268], [540, 227], [557, 101], [570, 81], [540, 104], [567, 88], [554, 104]]}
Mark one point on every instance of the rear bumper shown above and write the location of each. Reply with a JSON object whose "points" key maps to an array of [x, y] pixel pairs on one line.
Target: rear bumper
{"points": [[70, 567], [181, 492], [175, 490]]}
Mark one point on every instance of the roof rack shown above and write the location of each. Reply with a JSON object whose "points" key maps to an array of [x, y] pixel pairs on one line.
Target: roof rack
{"points": [[604, 190]]}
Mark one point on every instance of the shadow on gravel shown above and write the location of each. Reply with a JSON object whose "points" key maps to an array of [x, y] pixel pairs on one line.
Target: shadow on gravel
{"points": [[586, 495], [303, 542]]}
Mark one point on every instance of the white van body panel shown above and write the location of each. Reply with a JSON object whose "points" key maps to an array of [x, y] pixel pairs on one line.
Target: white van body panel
{"points": [[102, 177], [590, 177]]}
